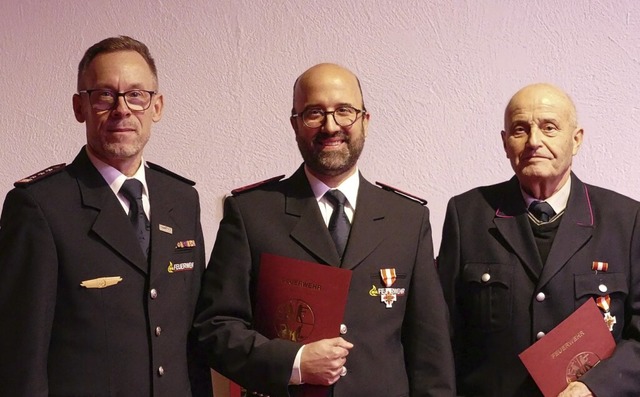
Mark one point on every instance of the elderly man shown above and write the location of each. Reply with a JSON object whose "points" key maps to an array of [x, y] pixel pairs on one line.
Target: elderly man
{"points": [[101, 260], [389, 350], [519, 257]]}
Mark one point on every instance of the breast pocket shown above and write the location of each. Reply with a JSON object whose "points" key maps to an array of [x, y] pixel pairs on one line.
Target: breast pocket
{"points": [[182, 266], [486, 296], [601, 284]]}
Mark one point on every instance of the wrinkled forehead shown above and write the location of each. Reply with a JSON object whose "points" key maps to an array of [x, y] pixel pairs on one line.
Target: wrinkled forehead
{"points": [[540, 102]]}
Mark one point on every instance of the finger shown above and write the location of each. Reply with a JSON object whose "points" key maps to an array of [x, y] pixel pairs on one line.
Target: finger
{"points": [[338, 353], [343, 343], [333, 379]]}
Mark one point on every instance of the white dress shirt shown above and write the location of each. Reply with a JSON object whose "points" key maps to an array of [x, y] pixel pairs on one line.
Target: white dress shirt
{"points": [[115, 179]]}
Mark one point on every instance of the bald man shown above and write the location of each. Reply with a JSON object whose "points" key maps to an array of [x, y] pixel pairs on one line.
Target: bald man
{"points": [[519, 257], [396, 349]]}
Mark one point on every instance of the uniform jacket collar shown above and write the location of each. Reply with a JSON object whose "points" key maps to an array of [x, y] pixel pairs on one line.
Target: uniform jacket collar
{"points": [[367, 229], [111, 224], [575, 229]]}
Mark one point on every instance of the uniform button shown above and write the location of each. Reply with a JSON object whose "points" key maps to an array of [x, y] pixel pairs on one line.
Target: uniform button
{"points": [[160, 370], [541, 297], [602, 288], [486, 277], [539, 335], [158, 331], [153, 293], [343, 329]]}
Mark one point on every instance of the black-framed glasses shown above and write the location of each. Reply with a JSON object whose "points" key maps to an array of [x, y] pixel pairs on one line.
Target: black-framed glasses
{"points": [[344, 116], [102, 99]]}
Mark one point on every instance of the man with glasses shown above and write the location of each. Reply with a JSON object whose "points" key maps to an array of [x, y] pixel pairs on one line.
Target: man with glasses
{"points": [[388, 347], [101, 260]]}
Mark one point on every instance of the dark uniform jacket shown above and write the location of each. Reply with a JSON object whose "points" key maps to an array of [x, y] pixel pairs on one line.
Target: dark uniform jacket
{"points": [[495, 317], [58, 338], [399, 351]]}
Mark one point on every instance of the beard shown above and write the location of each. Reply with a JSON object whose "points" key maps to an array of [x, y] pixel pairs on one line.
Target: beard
{"points": [[123, 150], [105, 147], [334, 162]]}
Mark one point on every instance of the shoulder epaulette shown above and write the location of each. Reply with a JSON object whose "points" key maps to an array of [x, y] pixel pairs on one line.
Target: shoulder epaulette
{"points": [[401, 193], [170, 173], [54, 169], [247, 188]]}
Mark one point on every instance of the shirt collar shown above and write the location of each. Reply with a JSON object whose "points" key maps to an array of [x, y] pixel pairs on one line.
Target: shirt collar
{"points": [[348, 187], [558, 201], [115, 178]]}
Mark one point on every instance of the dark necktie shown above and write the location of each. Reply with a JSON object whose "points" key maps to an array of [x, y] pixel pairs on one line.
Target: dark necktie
{"points": [[132, 190], [339, 225], [541, 210]]}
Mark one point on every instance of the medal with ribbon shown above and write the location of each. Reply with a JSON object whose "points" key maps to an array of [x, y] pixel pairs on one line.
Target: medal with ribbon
{"points": [[604, 302], [389, 295]]}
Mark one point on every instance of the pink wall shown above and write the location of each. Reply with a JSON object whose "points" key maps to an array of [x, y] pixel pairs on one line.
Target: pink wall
{"points": [[436, 76]]}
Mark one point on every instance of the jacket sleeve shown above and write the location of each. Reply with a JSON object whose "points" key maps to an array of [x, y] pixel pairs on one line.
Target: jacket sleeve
{"points": [[28, 287], [224, 321], [199, 372], [426, 338], [448, 265]]}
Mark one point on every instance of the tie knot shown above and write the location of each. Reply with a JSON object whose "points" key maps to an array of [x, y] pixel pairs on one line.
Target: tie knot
{"points": [[336, 197], [541, 210], [132, 189]]}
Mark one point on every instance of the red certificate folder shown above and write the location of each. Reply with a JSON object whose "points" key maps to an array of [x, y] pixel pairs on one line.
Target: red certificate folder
{"points": [[569, 350], [300, 301]]}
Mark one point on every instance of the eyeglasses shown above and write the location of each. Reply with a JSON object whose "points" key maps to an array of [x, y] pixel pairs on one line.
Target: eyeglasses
{"points": [[344, 116], [103, 99]]}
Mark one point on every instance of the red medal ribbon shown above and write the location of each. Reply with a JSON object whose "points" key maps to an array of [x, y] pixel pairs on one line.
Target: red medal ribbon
{"points": [[600, 266], [604, 303], [388, 276]]}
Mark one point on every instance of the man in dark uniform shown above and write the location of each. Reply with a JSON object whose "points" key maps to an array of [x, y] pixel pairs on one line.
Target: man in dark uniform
{"points": [[519, 257], [101, 260], [398, 349]]}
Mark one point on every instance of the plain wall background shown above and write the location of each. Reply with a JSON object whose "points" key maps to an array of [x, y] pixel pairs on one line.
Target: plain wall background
{"points": [[436, 76]]}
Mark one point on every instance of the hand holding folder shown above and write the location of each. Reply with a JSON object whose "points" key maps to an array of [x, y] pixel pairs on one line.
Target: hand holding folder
{"points": [[302, 302], [569, 350]]}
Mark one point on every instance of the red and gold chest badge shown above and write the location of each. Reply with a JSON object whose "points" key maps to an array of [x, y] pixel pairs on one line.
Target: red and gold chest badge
{"points": [[387, 295], [604, 302]]}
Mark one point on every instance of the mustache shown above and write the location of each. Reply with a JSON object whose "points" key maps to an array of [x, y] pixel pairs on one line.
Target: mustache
{"points": [[321, 136]]}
